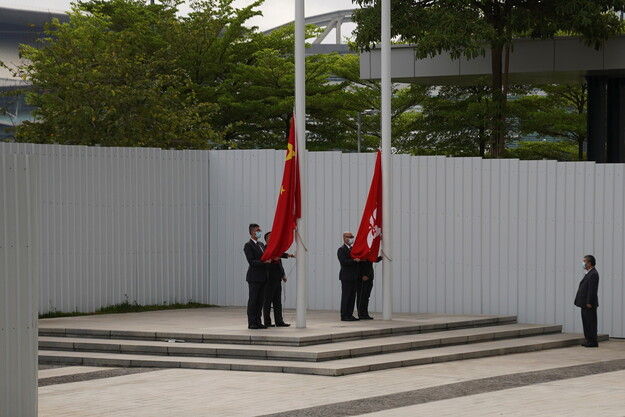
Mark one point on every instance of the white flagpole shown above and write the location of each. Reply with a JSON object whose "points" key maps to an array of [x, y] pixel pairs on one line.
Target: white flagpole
{"points": [[300, 124], [387, 305]]}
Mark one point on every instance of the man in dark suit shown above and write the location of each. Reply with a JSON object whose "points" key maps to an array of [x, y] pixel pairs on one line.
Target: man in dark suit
{"points": [[256, 277], [363, 291], [588, 300], [349, 275], [273, 289]]}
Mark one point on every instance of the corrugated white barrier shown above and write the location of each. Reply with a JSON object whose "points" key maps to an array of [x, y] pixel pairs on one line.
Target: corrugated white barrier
{"points": [[469, 235], [18, 286], [121, 224]]}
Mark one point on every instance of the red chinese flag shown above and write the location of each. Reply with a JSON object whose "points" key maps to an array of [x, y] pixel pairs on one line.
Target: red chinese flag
{"points": [[367, 243], [289, 203]]}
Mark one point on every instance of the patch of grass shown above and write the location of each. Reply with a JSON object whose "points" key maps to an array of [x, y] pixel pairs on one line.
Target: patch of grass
{"points": [[56, 314], [127, 307]]}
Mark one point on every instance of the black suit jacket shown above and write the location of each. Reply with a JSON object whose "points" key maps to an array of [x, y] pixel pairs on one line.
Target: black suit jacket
{"points": [[350, 269], [366, 268], [588, 289], [275, 270], [257, 270]]}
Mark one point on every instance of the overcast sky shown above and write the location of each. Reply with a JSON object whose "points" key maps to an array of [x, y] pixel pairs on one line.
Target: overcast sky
{"points": [[275, 12]]}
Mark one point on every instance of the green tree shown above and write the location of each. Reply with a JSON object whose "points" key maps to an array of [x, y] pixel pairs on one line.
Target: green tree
{"points": [[558, 112], [474, 27], [454, 122], [364, 96], [259, 104], [210, 43], [560, 151], [109, 77]]}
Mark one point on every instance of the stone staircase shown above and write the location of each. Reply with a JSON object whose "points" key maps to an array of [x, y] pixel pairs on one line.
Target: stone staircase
{"points": [[347, 350]]}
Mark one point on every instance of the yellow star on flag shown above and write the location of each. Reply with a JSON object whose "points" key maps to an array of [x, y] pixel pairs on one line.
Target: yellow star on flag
{"points": [[290, 152], [282, 189]]}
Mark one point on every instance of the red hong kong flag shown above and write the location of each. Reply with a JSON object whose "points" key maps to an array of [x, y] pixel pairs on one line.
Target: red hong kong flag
{"points": [[367, 244], [288, 208]]}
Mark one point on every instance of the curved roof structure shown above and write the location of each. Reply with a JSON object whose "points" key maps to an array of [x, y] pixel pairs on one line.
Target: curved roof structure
{"points": [[329, 21]]}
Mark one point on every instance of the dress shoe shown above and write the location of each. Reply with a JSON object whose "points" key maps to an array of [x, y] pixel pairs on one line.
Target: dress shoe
{"points": [[262, 326], [589, 345], [270, 325], [283, 324], [350, 318], [253, 326], [365, 317]]}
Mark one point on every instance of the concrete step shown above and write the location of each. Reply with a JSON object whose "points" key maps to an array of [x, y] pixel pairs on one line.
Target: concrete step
{"points": [[292, 336], [310, 353], [335, 367], [68, 370]]}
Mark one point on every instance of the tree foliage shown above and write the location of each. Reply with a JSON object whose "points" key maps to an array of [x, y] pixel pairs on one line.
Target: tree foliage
{"points": [[473, 28], [365, 98], [128, 73], [454, 122], [108, 77], [559, 150], [558, 112], [260, 103]]}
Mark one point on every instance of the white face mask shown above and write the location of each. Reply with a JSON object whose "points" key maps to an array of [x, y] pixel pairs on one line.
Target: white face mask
{"points": [[350, 241], [583, 265], [258, 234]]}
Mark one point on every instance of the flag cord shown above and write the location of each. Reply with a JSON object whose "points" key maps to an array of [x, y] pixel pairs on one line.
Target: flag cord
{"points": [[292, 316], [301, 240]]}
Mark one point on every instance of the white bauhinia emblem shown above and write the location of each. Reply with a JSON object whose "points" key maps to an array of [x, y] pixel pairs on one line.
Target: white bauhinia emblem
{"points": [[374, 229]]}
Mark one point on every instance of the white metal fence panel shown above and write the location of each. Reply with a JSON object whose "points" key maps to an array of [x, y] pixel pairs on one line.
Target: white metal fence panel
{"points": [[469, 235], [121, 224], [18, 286]]}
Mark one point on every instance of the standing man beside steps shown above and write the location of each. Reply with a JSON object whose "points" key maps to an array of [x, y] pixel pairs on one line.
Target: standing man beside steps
{"points": [[588, 300]]}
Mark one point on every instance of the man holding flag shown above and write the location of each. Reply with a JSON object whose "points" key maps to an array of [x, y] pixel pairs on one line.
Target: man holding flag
{"points": [[256, 276], [366, 248], [349, 275], [288, 210]]}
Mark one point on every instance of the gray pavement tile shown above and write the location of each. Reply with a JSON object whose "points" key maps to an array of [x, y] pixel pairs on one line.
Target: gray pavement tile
{"points": [[196, 392], [404, 399]]}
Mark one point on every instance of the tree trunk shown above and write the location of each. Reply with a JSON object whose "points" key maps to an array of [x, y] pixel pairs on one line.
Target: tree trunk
{"points": [[287, 127], [497, 139], [482, 141], [580, 150], [580, 140]]}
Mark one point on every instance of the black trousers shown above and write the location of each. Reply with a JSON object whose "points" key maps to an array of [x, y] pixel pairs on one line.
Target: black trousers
{"points": [[348, 298], [362, 297], [273, 296], [255, 302], [589, 320]]}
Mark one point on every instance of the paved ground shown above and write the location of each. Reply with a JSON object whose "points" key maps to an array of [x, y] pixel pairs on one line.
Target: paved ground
{"points": [[574, 381]]}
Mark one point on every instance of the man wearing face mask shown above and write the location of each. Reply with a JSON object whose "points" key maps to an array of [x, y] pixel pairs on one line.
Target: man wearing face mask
{"points": [[256, 277], [588, 300], [348, 275]]}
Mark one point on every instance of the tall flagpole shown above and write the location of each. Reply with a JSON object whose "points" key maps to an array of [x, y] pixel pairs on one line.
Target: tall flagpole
{"points": [[300, 124], [387, 305]]}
